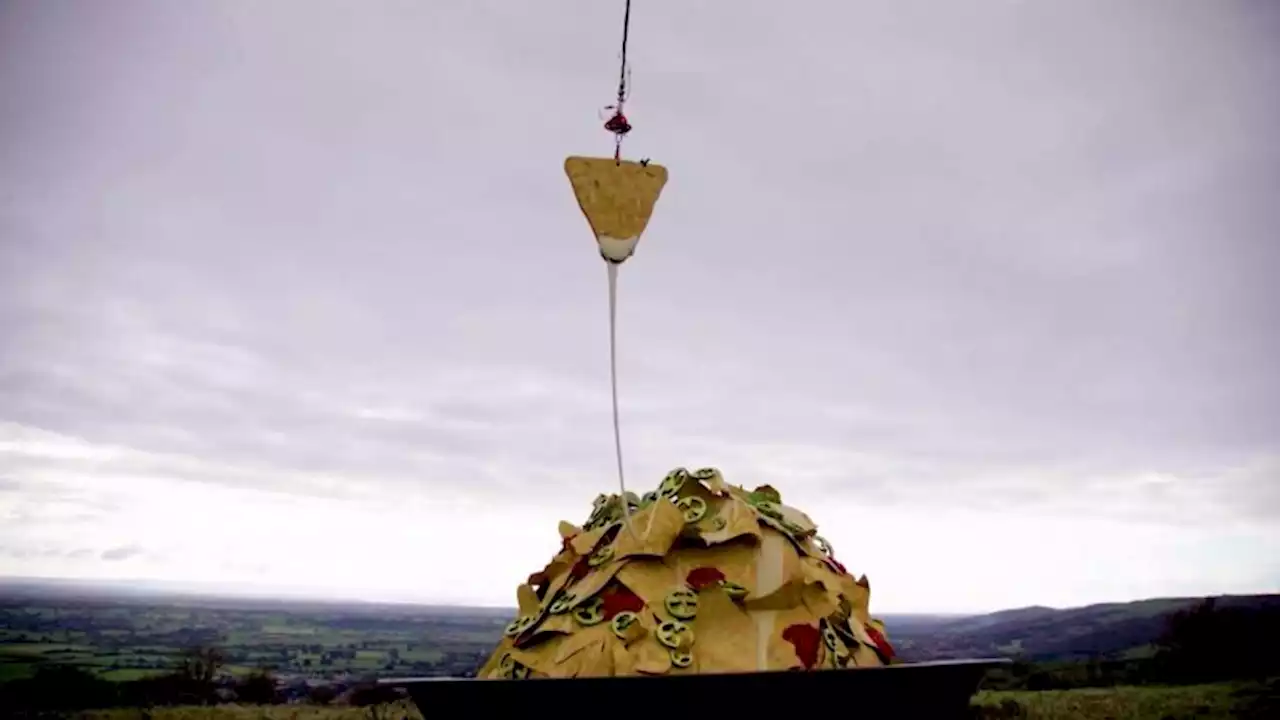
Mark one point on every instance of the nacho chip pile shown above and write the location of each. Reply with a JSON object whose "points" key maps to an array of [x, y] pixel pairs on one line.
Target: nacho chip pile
{"points": [[708, 577]]}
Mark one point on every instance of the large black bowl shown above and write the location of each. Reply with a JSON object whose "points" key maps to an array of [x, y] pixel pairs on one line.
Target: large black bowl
{"points": [[912, 690]]}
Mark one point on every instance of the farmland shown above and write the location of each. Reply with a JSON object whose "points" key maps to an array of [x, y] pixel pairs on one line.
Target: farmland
{"points": [[128, 638], [1241, 700], [1159, 658]]}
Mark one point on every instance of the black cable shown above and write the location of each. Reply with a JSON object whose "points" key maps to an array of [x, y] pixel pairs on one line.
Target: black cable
{"points": [[622, 75]]}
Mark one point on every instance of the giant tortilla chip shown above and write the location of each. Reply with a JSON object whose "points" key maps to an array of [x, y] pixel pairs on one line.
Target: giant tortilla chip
{"points": [[617, 197], [709, 578]]}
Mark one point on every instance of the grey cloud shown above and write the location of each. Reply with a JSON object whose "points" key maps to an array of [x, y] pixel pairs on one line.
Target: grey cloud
{"points": [[44, 553], [988, 254], [123, 552], [47, 504]]}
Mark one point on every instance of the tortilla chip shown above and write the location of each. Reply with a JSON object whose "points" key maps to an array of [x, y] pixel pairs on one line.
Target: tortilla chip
{"points": [[617, 198]]}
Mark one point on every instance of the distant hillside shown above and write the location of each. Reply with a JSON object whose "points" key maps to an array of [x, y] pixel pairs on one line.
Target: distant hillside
{"points": [[1110, 630], [17, 590]]}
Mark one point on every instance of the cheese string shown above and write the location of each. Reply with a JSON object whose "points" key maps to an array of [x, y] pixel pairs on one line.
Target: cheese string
{"points": [[613, 381]]}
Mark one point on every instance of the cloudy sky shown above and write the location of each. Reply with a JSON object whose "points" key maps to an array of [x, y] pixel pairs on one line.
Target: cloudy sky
{"points": [[295, 297]]}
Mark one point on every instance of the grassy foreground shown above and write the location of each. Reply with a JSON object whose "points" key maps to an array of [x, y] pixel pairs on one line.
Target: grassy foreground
{"points": [[1222, 700], [1202, 702], [397, 711]]}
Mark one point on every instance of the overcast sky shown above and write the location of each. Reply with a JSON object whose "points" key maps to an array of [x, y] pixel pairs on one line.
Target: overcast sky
{"points": [[295, 296]]}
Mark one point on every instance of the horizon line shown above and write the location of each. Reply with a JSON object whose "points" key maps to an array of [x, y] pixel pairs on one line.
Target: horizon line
{"points": [[245, 591]]}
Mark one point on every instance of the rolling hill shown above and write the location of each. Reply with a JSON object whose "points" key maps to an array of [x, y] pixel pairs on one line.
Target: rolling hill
{"points": [[119, 616], [1106, 631]]}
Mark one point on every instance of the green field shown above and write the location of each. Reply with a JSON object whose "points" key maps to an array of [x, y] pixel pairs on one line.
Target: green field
{"points": [[1198, 702], [1221, 700], [1107, 664], [131, 639], [399, 711]]}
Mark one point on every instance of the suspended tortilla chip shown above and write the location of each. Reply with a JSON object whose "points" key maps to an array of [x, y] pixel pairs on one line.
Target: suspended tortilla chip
{"points": [[684, 594], [617, 198]]}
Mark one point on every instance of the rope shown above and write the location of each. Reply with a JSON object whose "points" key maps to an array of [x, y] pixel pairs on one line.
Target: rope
{"points": [[622, 83], [612, 269], [622, 72]]}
